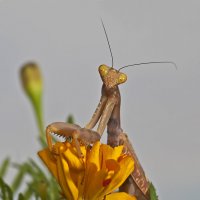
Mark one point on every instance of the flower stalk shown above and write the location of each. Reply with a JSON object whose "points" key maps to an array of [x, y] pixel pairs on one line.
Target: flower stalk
{"points": [[32, 83]]}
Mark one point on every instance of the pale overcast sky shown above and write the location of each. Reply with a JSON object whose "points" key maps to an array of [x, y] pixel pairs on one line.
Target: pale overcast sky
{"points": [[160, 105]]}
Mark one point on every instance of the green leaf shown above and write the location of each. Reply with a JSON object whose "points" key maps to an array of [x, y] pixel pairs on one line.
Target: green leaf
{"points": [[42, 142], [152, 190], [29, 191], [19, 177], [4, 167], [21, 197], [39, 171], [70, 119], [5, 191], [54, 190], [2, 187], [9, 192]]}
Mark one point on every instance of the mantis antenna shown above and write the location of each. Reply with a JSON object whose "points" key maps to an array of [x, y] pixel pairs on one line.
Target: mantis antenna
{"points": [[145, 63], [107, 41]]}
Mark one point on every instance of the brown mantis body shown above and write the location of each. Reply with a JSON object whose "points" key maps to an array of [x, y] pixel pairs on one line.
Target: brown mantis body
{"points": [[108, 114]]}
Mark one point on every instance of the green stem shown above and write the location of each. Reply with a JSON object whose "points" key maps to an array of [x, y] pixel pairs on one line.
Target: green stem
{"points": [[37, 106]]}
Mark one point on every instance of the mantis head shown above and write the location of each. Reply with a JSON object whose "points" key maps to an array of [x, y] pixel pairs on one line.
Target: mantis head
{"points": [[111, 77]]}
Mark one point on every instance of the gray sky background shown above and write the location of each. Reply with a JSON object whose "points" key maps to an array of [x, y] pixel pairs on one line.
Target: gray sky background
{"points": [[160, 106]]}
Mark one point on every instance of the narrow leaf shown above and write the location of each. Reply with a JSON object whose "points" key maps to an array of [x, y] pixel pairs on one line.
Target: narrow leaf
{"points": [[70, 119], [5, 191], [29, 191], [9, 192], [152, 190], [4, 167], [21, 197], [19, 177], [38, 169]]}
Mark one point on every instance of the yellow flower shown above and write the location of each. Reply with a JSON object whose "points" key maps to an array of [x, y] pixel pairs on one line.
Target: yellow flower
{"points": [[100, 171]]}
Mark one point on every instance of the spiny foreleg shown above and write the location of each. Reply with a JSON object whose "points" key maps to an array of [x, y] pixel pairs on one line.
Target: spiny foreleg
{"points": [[74, 131], [97, 113]]}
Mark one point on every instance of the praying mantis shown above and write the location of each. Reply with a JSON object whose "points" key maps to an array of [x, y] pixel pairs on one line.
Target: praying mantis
{"points": [[107, 114]]}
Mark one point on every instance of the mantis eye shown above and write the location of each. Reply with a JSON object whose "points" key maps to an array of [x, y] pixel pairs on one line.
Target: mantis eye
{"points": [[103, 70], [122, 78]]}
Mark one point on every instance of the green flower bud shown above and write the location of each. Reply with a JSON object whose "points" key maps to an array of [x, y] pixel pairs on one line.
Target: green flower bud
{"points": [[32, 80], [33, 86]]}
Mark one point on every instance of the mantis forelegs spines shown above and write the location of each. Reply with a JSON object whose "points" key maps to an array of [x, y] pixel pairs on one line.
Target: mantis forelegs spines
{"points": [[60, 129], [67, 130]]}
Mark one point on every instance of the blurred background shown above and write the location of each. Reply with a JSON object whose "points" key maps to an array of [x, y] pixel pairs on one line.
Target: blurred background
{"points": [[160, 105]]}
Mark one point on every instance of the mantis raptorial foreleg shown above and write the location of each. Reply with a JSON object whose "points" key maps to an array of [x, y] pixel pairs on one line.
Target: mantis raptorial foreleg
{"points": [[108, 109], [74, 131], [97, 113]]}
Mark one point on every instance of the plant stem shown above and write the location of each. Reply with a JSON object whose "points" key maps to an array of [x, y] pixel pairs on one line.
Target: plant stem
{"points": [[37, 106]]}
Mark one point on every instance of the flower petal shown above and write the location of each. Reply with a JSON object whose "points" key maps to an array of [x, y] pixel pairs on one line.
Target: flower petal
{"points": [[93, 184], [76, 165], [112, 165], [65, 181], [49, 161], [107, 152], [126, 167], [93, 155], [59, 167], [120, 195], [101, 171]]}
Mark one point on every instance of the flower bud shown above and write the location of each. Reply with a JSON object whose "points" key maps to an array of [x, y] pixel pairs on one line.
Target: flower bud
{"points": [[33, 86], [32, 80]]}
